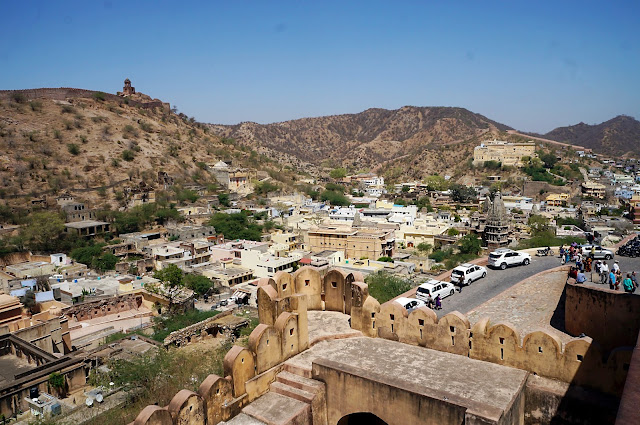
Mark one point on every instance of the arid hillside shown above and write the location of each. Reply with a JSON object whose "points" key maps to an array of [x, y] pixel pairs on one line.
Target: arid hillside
{"points": [[418, 137], [618, 136], [99, 146]]}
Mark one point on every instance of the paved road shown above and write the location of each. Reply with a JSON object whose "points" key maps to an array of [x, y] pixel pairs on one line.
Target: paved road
{"points": [[496, 281], [499, 280]]}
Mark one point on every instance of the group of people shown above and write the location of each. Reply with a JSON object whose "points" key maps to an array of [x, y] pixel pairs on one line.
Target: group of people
{"points": [[612, 276], [434, 304], [574, 253]]}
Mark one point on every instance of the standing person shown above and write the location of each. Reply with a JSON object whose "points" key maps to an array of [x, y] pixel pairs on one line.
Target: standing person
{"points": [[587, 264], [460, 283], [612, 280], [430, 301], [438, 302], [616, 267], [596, 267], [593, 251], [634, 279], [604, 272], [579, 261], [627, 284]]}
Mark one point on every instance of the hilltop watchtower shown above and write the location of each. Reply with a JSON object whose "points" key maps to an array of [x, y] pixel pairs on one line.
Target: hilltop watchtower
{"points": [[128, 90]]}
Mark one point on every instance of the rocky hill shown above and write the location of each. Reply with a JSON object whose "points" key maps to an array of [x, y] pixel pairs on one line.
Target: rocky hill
{"points": [[95, 145], [619, 136], [415, 138]]}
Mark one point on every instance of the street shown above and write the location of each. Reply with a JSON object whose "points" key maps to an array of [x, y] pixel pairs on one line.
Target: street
{"points": [[497, 281]]}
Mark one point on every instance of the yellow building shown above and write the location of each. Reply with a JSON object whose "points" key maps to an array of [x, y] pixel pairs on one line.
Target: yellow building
{"points": [[506, 153], [356, 243], [593, 189], [557, 199]]}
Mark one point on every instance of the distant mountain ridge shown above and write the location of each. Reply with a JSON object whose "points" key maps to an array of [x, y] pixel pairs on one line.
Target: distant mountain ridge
{"points": [[620, 136], [365, 139]]}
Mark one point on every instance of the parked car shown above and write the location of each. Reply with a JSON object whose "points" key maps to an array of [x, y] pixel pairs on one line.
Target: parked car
{"points": [[503, 258], [600, 252], [468, 272], [410, 303], [434, 288]]}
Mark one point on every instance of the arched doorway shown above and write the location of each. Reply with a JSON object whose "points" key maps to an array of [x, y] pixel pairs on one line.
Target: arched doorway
{"points": [[361, 418]]}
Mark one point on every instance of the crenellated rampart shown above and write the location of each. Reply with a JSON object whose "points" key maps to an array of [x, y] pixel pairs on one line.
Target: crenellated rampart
{"points": [[283, 303], [64, 93]]}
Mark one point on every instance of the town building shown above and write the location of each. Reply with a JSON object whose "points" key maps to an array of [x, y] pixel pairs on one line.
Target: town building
{"points": [[595, 190], [87, 228], [557, 199], [506, 153], [356, 243]]}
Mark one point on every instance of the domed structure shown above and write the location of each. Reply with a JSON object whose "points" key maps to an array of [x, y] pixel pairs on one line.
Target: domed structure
{"points": [[128, 90]]}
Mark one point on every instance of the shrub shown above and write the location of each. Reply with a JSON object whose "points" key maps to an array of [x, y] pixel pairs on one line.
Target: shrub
{"points": [[18, 97], [128, 155], [67, 109], [146, 127], [384, 286], [73, 149], [99, 96], [35, 105]]}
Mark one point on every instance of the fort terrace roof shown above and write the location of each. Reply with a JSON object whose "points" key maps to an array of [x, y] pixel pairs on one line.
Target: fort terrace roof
{"points": [[85, 224]]}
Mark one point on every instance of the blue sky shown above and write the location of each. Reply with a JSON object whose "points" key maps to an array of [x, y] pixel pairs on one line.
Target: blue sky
{"points": [[533, 65]]}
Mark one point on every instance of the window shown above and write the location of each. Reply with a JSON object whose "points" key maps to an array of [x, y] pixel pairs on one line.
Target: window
{"points": [[306, 282], [334, 284], [284, 286], [421, 322], [291, 331]]}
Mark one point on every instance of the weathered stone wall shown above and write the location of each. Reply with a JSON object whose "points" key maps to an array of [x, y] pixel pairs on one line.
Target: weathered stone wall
{"points": [[211, 326], [283, 332], [610, 317], [104, 307], [64, 93]]}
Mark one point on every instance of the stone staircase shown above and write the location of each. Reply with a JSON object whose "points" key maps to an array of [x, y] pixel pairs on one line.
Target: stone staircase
{"points": [[293, 399]]}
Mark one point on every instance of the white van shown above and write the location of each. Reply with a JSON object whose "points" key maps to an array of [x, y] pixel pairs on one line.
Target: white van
{"points": [[434, 288]]}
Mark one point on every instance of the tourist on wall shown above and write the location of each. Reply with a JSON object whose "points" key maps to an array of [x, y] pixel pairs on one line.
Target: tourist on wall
{"points": [[627, 284]]}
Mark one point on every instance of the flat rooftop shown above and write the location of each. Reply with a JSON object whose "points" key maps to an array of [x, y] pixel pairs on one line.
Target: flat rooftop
{"points": [[420, 369], [10, 366], [85, 223]]}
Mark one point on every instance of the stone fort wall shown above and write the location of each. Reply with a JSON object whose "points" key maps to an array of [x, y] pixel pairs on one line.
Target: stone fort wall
{"points": [[283, 332], [64, 93]]}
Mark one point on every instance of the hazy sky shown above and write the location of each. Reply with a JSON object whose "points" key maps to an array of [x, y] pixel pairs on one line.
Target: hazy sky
{"points": [[533, 65]]}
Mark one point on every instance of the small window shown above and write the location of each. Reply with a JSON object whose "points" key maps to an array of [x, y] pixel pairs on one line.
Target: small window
{"points": [[284, 286], [392, 317], [334, 284], [421, 322], [539, 349], [306, 282], [579, 357], [501, 340], [373, 315], [291, 331], [452, 328]]}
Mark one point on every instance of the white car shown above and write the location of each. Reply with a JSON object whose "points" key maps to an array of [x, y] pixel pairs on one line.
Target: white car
{"points": [[434, 288], [468, 272], [503, 258], [599, 252], [410, 303]]}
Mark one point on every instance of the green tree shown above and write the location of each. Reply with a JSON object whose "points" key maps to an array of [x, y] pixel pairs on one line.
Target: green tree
{"points": [[452, 231], [470, 244], [236, 226], [436, 182], [106, 261], [460, 193], [538, 224], [424, 247], [86, 254], [128, 155], [172, 279], [548, 159], [334, 198], [338, 173], [384, 286], [198, 283], [223, 198], [42, 231], [56, 381]]}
